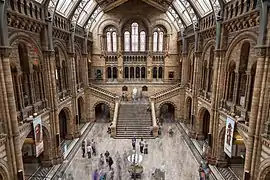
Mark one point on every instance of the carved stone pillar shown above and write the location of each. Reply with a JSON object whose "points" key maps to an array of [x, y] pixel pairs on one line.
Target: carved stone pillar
{"points": [[184, 79], [149, 69]]}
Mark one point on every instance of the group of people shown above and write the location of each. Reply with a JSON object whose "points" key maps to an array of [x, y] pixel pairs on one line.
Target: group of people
{"points": [[102, 174], [143, 145], [90, 148]]}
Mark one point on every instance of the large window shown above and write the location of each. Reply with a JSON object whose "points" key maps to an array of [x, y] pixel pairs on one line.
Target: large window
{"points": [[158, 40], [111, 40], [134, 38]]}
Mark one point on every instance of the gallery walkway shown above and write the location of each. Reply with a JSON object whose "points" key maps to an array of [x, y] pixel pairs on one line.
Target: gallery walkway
{"points": [[170, 154]]}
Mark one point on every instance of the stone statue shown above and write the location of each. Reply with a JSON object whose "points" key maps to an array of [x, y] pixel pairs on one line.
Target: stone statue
{"points": [[134, 94]]}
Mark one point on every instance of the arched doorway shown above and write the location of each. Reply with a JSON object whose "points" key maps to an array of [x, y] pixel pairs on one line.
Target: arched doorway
{"points": [[205, 117], [143, 72], [132, 72], [80, 103], [167, 111], [102, 112], [267, 176], [189, 118], [63, 126], [109, 72], [126, 72], [155, 73], [114, 73]]}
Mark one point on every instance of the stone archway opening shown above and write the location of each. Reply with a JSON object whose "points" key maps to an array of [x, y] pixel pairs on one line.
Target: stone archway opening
{"points": [[102, 112], [63, 125], [35, 152], [188, 111], [167, 113], [80, 119], [267, 176]]}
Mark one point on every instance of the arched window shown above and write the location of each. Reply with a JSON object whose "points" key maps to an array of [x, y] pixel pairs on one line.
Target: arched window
{"points": [[135, 36], [230, 81], [158, 40], [155, 42], [142, 41], [109, 42], [114, 42], [127, 41], [111, 39], [58, 70], [211, 70]]}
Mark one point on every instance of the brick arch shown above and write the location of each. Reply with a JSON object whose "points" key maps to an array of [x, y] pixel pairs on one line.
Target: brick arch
{"points": [[58, 44], [108, 22], [168, 102], [67, 111], [245, 36], [264, 169], [200, 120], [18, 35], [201, 112], [69, 118], [164, 23], [48, 146], [4, 171], [126, 19], [207, 46], [188, 100], [102, 102]]}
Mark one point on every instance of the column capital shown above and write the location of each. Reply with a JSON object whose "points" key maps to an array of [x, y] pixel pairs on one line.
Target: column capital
{"points": [[220, 52], [71, 54], [262, 51], [198, 53], [48, 53], [5, 51]]}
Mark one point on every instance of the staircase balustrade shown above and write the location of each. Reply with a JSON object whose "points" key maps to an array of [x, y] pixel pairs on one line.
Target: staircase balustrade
{"points": [[154, 120], [115, 117]]}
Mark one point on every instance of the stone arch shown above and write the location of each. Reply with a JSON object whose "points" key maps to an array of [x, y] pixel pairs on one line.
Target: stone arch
{"points": [[264, 169], [221, 161], [48, 146], [246, 36], [126, 19], [170, 114], [80, 110], [61, 46], [17, 35], [207, 46], [203, 121], [188, 109], [108, 22], [4, 171], [164, 23], [124, 88], [110, 113], [65, 126]]}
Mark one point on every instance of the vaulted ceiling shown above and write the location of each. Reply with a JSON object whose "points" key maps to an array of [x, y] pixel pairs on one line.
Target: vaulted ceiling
{"points": [[182, 13]]}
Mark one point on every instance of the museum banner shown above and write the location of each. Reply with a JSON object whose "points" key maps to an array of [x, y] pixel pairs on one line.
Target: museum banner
{"points": [[38, 135], [228, 142]]}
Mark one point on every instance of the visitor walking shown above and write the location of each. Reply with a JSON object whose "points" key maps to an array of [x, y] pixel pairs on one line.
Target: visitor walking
{"points": [[89, 149], [95, 175], [101, 160], [141, 145], [102, 175], [107, 154], [93, 145], [110, 162], [145, 151], [83, 148], [133, 142]]}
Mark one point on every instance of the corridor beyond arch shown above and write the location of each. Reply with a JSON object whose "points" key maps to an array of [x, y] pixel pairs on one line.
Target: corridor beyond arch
{"points": [[167, 112], [102, 112], [204, 118], [64, 117]]}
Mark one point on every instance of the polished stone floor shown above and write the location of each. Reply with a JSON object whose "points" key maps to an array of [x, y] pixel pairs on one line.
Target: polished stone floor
{"points": [[169, 154]]}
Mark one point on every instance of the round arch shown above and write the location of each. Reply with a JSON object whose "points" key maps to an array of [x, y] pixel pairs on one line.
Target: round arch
{"points": [[167, 111], [81, 110], [264, 173], [102, 111], [127, 19], [246, 36], [207, 46], [204, 121], [108, 22], [188, 113], [164, 23], [4, 172], [64, 118]]}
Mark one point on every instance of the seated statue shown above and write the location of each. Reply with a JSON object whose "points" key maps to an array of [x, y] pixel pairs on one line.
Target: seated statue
{"points": [[134, 94]]}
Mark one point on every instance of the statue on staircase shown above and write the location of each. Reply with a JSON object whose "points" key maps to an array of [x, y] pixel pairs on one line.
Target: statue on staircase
{"points": [[134, 94]]}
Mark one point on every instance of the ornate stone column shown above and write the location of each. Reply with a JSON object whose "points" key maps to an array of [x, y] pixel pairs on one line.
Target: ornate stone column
{"points": [[9, 115], [149, 69], [184, 79]]}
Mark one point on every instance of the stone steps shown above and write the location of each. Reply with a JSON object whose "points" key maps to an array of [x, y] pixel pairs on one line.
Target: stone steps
{"points": [[133, 119]]}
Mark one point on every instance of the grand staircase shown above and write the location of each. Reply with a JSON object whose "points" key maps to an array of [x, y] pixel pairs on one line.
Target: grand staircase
{"points": [[133, 119]]}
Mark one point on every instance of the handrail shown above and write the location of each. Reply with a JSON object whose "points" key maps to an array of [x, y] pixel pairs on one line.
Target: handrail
{"points": [[115, 117], [170, 92], [165, 91], [102, 90], [103, 94], [154, 119]]}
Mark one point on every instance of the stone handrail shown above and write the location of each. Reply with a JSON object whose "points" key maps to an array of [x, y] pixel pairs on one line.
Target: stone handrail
{"points": [[154, 119], [102, 90], [103, 94], [166, 90], [115, 117], [166, 95]]}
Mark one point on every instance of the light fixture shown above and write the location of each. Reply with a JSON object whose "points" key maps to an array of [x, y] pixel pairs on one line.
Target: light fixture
{"points": [[239, 139]]}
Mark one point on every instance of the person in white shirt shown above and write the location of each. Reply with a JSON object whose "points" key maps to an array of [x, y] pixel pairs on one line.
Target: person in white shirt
{"points": [[89, 149]]}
